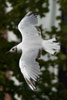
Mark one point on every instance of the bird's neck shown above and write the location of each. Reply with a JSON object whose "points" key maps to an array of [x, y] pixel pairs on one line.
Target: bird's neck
{"points": [[19, 47]]}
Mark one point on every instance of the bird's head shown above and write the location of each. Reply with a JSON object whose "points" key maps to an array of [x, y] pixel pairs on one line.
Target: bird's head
{"points": [[17, 48], [12, 50]]}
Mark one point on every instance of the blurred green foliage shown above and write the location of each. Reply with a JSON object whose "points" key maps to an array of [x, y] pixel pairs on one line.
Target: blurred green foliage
{"points": [[48, 90]]}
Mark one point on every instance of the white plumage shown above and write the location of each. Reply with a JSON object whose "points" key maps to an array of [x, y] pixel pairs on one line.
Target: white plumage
{"points": [[30, 46]]}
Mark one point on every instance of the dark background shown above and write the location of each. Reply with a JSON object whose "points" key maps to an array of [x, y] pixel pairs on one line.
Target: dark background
{"points": [[47, 90]]}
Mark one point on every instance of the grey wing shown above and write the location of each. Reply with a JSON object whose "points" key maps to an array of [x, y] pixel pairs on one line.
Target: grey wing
{"points": [[29, 19], [30, 67], [32, 18]]}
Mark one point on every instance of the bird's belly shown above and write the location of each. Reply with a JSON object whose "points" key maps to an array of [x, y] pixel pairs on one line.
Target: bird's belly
{"points": [[30, 42], [31, 45]]}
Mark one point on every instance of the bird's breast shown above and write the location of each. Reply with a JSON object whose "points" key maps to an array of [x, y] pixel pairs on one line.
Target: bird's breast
{"points": [[30, 44]]}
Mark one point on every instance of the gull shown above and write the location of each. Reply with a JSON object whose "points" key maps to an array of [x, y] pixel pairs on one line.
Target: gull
{"points": [[31, 45]]}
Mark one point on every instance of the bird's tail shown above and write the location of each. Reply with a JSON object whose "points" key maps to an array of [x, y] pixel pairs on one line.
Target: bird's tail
{"points": [[31, 84], [51, 46]]}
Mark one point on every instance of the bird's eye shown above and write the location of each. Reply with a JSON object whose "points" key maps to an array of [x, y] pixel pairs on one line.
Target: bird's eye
{"points": [[13, 49]]}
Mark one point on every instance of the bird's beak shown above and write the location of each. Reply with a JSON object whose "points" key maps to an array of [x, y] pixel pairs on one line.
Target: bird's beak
{"points": [[8, 52]]}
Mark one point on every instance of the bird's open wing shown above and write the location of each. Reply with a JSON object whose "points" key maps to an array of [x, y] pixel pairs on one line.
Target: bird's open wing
{"points": [[30, 33], [30, 46], [29, 19], [30, 67]]}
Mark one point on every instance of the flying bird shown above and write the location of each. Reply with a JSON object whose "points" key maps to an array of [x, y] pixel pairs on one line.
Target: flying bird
{"points": [[31, 45]]}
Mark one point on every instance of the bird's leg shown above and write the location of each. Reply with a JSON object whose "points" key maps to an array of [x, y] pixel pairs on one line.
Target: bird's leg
{"points": [[39, 53], [38, 29]]}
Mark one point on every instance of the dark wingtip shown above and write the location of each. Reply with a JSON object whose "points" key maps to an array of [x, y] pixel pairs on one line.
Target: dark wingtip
{"points": [[30, 13], [31, 84]]}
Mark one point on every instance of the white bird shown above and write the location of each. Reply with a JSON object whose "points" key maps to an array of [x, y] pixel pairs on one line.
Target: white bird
{"points": [[30, 46]]}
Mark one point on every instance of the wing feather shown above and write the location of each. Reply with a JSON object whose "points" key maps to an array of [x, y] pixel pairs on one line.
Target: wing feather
{"points": [[31, 85], [29, 67], [29, 19]]}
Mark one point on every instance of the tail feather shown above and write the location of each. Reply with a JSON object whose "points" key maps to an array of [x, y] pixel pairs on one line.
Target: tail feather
{"points": [[31, 84], [51, 46]]}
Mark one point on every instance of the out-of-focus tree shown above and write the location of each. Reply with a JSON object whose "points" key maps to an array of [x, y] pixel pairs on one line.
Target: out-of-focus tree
{"points": [[47, 88], [63, 57]]}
